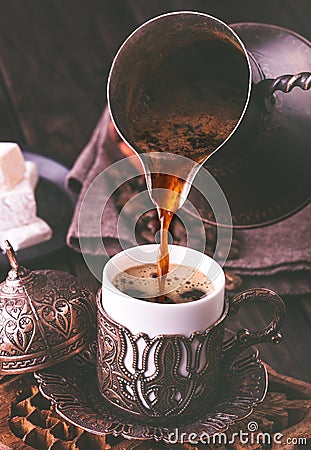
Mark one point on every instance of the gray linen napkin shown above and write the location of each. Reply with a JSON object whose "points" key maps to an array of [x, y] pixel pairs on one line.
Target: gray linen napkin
{"points": [[99, 153], [277, 256]]}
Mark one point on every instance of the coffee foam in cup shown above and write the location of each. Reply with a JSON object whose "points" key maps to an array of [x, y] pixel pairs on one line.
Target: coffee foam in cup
{"points": [[183, 284]]}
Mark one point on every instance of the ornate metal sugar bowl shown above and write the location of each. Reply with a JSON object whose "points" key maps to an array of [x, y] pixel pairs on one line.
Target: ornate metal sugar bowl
{"points": [[46, 316]]}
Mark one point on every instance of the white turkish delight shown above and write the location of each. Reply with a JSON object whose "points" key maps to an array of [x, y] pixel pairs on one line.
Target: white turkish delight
{"points": [[12, 165]]}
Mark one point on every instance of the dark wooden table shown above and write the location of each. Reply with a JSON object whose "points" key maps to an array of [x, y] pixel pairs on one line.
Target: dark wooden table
{"points": [[54, 60]]}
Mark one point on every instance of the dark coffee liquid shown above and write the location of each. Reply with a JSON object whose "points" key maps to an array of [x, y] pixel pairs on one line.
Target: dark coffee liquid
{"points": [[192, 103], [183, 284]]}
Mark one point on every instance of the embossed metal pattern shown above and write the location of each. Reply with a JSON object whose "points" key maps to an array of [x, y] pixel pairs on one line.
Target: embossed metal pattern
{"points": [[72, 388], [45, 317], [167, 389], [172, 376], [163, 377]]}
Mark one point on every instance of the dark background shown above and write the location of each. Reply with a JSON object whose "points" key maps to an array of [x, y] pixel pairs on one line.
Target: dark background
{"points": [[55, 56]]}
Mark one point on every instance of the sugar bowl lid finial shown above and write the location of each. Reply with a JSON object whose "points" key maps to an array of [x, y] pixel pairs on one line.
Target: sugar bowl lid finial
{"points": [[11, 255], [46, 316]]}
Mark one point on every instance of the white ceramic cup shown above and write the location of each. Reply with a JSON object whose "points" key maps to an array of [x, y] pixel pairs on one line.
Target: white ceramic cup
{"points": [[156, 318]]}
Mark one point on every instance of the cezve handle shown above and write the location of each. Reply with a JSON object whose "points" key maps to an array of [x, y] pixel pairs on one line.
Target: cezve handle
{"points": [[285, 83]]}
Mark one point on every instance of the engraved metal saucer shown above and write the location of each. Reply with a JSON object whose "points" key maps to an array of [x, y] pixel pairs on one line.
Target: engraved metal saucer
{"points": [[72, 389]]}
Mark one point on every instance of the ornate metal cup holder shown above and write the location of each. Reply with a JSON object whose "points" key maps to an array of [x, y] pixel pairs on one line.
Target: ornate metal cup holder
{"points": [[72, 388]]}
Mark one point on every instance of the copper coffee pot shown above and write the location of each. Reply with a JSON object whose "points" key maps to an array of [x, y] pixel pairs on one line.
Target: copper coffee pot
{"points": [[262, 165]]}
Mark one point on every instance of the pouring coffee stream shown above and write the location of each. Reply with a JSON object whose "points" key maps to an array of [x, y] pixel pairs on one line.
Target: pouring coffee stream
{"points": [[179, 124], [186, 96]]}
